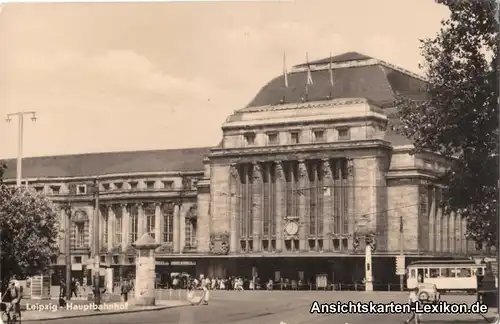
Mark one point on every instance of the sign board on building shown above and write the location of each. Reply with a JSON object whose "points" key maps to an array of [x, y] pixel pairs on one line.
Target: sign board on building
{"points": [[76, 267], [182, 263], [400, 265]]}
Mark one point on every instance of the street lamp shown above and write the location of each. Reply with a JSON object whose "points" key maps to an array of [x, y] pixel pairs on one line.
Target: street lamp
{"points": [[20, 117]]}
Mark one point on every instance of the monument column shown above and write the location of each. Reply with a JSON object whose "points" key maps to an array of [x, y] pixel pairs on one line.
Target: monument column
{"points": [[125, 227], [111, 227], [158, 223], [280, 204], [257, 206], [327, 205], [302, 205], [233, 200], [177, 227]]}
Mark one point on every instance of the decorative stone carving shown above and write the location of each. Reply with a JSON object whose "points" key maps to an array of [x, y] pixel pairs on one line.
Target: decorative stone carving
{"points": [[116, 249], [355, 242], [130, 249], [167, 208], [302, 169], [350, 167], [165, 248], [257, 172], [80, 216], [279, 170], [192, 213], [234, 171], [327, 169], [369, 240], [219, 244], [103, 249]]}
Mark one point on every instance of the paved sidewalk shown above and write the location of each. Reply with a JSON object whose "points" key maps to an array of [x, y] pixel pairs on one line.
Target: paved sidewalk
{"points": [[50, 311]]}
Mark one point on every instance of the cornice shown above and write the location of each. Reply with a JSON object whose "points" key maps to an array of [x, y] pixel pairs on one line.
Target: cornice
{"points": [[292, 150], [110, 176]]}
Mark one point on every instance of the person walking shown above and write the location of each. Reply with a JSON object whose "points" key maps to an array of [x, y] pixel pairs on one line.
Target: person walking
{"points": [[412, 300], [124, 290]]}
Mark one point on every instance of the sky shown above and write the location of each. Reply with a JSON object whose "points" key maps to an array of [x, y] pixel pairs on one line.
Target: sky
{"points": [[137, 76]]}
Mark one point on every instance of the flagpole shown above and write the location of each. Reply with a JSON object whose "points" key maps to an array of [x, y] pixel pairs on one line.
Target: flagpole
{"points": [[401, 252]]}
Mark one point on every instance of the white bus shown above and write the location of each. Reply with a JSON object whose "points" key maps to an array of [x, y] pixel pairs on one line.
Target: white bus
{"points": [[447, 275]]}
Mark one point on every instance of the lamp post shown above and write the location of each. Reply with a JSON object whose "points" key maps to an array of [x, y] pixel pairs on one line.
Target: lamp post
{"points": [[20, 118], [97, 257], [67, 244]]}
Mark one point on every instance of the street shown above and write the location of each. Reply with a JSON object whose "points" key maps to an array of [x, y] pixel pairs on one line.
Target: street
{"points": [[262, 307]]}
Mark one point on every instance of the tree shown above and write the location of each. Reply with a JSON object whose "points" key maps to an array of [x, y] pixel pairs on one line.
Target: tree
{"points": [[459, 117], [30, 230]]}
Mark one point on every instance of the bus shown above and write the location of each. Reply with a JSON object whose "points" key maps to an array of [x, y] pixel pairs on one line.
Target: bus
{"points": [[447, 275]]}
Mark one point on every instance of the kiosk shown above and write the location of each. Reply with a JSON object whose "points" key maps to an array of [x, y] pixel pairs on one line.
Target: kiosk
{"points": [[39, 287]]}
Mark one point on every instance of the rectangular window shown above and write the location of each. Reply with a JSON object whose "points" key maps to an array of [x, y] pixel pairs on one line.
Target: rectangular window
{"points": [[149, 211], [134, 224], [80, 234], [168, 184], [106, 186], [344, 134], [118, 225], [272, 138], [55, 190], [118, 185], [39, 189], [319, 135], [133, 185], [77, 259], [150, 184], [167, 212], [249, 138], [81, 189], [295, 137], [190, 239]]}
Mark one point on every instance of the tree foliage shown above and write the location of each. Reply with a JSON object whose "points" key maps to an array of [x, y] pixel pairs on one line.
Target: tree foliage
{"points": [[459, 117], [30, 230]]}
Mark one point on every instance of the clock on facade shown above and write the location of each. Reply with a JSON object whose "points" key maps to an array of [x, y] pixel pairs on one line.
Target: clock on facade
{"points": [[292, 228]]}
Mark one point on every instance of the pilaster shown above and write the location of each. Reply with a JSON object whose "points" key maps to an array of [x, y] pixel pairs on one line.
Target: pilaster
{"points": [[257, 206], [233, 212], [177, 228], [158, 223], [302, 205], [280, 204], [111, 227], [141, 228], [125, 226], [327, 204], [432, 221], [351, 198]]}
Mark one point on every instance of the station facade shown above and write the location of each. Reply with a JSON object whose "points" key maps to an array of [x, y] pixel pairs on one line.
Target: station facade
{"points": [[306, 175]]}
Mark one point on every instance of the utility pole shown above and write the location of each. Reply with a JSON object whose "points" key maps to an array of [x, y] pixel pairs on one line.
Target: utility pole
{"points": [[67, 244], [20, 119], [97, 257], [401, 254]]}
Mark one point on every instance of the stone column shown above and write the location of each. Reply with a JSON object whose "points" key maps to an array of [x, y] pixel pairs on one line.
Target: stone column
{"points": [[111, 227], [280, 204], [141, 228], [158, 223], [177, 228], [125, 226], [63, 219], [257, 206], [327, 205], [234, 217], [302, 205], [351, 210], [432, 216]]}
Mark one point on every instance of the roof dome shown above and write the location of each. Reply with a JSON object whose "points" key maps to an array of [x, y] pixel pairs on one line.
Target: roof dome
{"points": [[355, 75]]}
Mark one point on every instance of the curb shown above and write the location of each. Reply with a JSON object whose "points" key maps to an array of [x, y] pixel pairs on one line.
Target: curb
{"points": [[89, 314]]}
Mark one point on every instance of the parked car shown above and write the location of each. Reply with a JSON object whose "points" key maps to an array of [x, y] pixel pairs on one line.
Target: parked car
{"points": [[428, 293]]}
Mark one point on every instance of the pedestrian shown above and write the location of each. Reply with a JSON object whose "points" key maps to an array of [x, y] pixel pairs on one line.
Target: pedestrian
{"points": [[73, 287], [412, 300], [124, 290]]}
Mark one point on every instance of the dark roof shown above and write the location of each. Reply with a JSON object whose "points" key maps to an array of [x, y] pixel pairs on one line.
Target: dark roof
{"points": [[92, 164], [345, 57], [377, 83]]}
